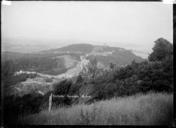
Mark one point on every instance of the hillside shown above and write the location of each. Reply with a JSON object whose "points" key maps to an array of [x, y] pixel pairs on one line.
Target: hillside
{"points": [[104, 54], [73, 48], [86, 82], [69, 57], [60, 63], [134, 110]]}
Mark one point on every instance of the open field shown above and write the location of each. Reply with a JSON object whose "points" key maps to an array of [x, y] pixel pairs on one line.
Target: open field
{"points": [[140, 109]]}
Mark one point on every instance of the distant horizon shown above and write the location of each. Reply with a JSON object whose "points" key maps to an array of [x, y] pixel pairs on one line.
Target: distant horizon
{"points": [[66, 43], [130, 25]]}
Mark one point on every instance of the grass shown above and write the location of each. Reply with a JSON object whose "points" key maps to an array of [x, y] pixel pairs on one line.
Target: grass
{"points": [[140, 109]]}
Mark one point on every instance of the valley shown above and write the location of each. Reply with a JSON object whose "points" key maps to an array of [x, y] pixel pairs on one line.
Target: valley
{"points": [[87, 63], [80, 74]]}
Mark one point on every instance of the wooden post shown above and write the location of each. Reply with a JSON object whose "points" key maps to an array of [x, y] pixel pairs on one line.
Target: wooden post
{"points": [[50, 102]]}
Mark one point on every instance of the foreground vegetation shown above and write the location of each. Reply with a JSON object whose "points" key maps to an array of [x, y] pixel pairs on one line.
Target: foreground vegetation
{"points": [[154, 74], [140, 109]]}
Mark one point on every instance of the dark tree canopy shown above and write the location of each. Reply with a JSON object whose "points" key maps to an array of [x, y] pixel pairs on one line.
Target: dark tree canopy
{"points": [[161, 50], [62, 88]]}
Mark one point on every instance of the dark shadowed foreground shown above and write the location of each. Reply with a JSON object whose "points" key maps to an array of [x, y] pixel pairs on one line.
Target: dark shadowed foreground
{"points": [[140, 109]]}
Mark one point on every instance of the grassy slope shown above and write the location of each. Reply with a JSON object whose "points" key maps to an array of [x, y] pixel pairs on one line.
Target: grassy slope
{"points": [[149, 109]]}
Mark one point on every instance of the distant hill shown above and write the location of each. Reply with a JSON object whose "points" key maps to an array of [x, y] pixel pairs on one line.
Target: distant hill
{"points": [[104, 54], [60, 60], [73, 48], [65, 62]]}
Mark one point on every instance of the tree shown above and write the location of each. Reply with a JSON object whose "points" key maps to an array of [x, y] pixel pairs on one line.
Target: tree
{"points": [[79, 79], [92, 68], [161, 50], [112, 66], [62, 88]]}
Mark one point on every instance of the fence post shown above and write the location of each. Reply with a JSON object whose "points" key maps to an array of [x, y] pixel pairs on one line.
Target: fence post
{"points": [[50, 102]]}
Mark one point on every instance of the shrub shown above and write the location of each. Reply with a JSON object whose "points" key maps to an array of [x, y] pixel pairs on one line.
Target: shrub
{"points": [[16, 106], [62, 88]]}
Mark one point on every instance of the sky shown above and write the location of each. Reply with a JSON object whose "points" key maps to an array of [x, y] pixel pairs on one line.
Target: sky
{"points": [[130, 25]]}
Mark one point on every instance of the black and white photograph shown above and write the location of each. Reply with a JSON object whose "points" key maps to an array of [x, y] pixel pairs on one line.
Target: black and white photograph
{"points": [[87, 63]]}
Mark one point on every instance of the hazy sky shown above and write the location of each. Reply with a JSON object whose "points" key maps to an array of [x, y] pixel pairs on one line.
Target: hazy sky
{"points": [[131, 25]]}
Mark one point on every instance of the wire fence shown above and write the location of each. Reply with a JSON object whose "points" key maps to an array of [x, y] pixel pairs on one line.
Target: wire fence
{"points": [[63, 96]]}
